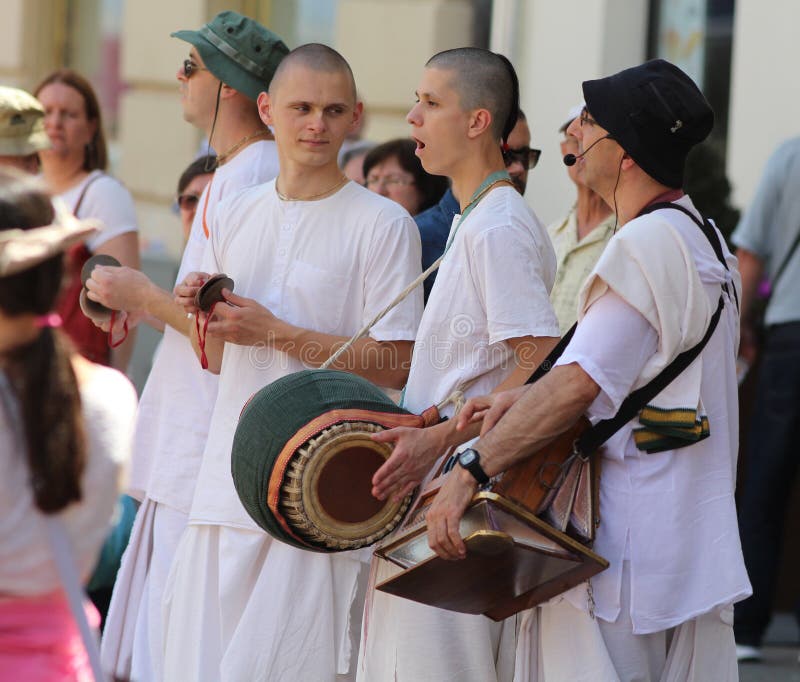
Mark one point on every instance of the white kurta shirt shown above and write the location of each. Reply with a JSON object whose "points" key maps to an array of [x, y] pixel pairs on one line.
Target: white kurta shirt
{"points": [[176, 404], [493, 285], [327, 265], [672, 514]]}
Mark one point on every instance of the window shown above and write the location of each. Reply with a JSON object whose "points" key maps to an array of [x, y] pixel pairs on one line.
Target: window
{"points": [[697, 36]]}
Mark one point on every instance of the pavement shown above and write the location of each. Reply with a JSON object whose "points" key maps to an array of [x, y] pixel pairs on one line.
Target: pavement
{"points": [[781, 649]]}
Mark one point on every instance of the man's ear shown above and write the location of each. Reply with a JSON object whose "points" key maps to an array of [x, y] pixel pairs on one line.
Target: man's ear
{"points": [[358, 113], [265, 108], [226, 92], [627, 162], [480, 120]]}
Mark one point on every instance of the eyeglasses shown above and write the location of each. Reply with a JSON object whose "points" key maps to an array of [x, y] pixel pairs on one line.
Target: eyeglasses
{"points": [[189, 67], [525, 155], [188, 202], [585, 118], [387, 181]]}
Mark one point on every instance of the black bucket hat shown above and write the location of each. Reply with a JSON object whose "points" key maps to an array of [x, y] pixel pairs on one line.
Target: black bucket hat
{"points": [[238, 51], [655, 112]]}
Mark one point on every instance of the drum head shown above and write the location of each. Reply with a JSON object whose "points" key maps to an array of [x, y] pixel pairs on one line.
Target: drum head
{"points": [[211, 292], [303, 460]]}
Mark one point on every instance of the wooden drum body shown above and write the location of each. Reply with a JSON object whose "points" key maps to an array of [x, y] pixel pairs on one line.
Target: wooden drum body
{"points": [[303, 460], [526, 536]]}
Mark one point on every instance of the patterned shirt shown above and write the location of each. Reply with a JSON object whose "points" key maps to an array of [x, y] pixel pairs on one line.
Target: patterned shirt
{"points": [[575, 261]]}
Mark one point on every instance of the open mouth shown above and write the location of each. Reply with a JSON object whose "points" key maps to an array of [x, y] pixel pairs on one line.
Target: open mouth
{"points": [[420, 143]]}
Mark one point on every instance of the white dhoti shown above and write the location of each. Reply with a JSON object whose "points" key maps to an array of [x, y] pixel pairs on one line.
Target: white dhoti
{"points": [[561, 642], [404, 641], [131, 646], [241, 606]]}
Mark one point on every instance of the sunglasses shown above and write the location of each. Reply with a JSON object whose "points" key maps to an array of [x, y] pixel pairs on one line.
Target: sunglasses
{"points": [[189, 67], [188, 202], [525, 155]]}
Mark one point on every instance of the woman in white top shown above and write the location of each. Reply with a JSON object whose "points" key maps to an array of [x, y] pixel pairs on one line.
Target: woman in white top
{"points": [[65, 426], [74, 168]]}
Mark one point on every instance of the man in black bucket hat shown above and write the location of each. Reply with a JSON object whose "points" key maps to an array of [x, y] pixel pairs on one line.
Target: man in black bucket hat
{"points": [[230, 61], [667, 518]]}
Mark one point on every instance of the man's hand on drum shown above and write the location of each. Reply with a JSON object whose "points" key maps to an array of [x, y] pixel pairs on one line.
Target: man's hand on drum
{"points": [[444, 516], [488, 409], [119, 288], [244, 321], [186, 291], [414, 453]]}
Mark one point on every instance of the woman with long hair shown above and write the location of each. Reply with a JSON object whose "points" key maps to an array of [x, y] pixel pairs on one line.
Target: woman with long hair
{"points": [[74, 168], [64, 430]]}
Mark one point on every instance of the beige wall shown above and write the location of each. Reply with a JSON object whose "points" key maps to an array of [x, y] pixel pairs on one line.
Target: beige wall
{"points": [[765, 88], [155, 143], [555, 46], [387, 43]]}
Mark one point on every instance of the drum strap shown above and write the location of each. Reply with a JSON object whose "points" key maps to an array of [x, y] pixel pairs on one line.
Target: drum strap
{"points": [[495, 178], [592, 438]]}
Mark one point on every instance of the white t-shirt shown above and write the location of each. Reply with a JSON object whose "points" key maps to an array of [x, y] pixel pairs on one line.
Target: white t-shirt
{"points": [[107, 200], [176, 404], [27, 565], [493, 284], [327, 265], [672, 514]]}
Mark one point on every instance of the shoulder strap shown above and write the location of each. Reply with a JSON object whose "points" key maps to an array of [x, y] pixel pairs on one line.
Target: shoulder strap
{"points": [[707, 229], [594, 437], [88, 184], [552, 356], [786, 260]]}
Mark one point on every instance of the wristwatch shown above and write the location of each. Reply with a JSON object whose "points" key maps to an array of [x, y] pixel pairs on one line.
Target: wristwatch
{"points": [[470, 460]]}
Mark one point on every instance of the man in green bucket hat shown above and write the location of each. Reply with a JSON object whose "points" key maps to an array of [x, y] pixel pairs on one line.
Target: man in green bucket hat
{"points": [[229, 62]]}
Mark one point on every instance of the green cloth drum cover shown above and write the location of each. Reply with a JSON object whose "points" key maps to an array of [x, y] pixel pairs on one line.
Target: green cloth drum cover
{"points": [[270, 424]]}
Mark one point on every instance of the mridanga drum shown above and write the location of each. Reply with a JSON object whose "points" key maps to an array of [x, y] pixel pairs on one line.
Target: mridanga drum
{"points": [[303, 459]]}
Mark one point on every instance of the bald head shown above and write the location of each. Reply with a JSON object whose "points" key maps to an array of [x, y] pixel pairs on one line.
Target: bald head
{"points": [[316, 57], [483, 80]]}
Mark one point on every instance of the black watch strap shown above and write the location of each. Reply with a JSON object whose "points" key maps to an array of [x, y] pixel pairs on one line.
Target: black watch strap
{"points": [[470, 460]]}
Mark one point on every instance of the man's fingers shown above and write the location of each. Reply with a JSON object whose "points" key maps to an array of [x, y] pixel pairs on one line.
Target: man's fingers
{"points": [[387, 436], [456, 543], [232, 298], [467, 414]]}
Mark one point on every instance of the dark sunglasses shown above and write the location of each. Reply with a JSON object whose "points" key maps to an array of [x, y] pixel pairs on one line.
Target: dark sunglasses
{"points": [[188, 202], [189, 67], [525, 155]]}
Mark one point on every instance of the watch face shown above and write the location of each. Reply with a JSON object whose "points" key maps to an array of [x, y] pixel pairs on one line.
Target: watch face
{"points": [[467, 457]]}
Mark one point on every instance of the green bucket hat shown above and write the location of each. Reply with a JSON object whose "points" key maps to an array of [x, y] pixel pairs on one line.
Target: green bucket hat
{"points": [[238, 51]]}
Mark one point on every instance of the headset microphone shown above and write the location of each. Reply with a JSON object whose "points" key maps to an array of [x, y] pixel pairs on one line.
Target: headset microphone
{"points": [[571, 159]]}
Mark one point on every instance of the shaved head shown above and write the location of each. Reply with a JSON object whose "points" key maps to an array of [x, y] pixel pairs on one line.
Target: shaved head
{"points": [[483, 80], [316, 57]]}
